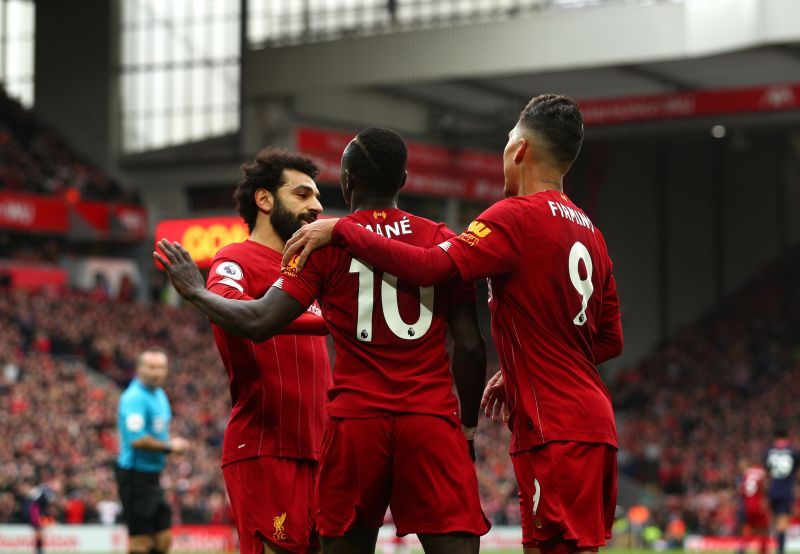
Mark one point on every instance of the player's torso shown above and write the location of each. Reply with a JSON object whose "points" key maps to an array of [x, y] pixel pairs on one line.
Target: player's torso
{"points": [[781, 464], [753, 486], [389, 336], [277, 386], [544, 315]]}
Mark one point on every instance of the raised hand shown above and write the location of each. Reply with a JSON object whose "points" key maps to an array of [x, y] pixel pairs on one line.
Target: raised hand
{"points": [[308, 238], [180, 267]]}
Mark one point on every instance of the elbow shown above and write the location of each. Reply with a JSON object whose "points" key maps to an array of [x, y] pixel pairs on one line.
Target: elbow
{"points": [[257, 331]]}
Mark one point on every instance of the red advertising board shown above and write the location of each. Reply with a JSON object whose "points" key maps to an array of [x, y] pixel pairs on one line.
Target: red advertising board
{"points": [[33, 213], [432, 170], [203, 237], [27, 212], [702, 103]]}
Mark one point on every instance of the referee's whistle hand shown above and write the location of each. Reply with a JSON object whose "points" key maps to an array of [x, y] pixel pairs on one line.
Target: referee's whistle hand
{"points": [[180, 267], [179, 444]]}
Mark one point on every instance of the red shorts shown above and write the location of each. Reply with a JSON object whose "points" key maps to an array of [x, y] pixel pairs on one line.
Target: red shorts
{"points": [[418, 464], [756, 517], [273, 501], [568, 495]]}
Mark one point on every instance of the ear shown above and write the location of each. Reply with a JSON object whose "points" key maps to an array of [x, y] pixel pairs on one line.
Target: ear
{"points": [[347, 185], [403, 180], [519, 153], [264, 200]]}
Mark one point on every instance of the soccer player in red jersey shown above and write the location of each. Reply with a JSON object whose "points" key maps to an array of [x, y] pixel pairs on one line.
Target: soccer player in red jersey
{"points": [[273, 438], [555, 316], [752, 491], [393, 436]]}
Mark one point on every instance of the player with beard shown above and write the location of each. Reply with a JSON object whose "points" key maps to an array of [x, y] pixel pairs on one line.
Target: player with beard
{"points": [[272, 442]]}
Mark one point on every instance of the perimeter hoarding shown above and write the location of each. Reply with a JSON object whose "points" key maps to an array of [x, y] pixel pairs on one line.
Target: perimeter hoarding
{"points": [[203, 237]]}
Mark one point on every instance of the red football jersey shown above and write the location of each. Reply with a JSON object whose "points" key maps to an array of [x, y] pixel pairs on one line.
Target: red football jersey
{"points": [[551, 294], [752, 488], [277, 386], [389, 336]]}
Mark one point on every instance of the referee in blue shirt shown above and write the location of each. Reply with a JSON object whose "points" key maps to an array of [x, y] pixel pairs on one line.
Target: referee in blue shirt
{"points": [[143, 424]]}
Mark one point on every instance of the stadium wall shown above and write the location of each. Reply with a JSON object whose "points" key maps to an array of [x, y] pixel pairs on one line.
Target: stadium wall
{"points": [[75, 63]]}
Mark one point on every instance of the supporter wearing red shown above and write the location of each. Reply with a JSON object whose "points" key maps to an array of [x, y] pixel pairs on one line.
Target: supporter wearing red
{"points": [[555, 316], [755, 514], [782, 463], [272, 441], [393, 437]]}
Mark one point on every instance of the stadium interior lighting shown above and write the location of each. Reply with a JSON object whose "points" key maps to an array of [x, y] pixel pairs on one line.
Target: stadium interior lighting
{"points": [[719, 131]]}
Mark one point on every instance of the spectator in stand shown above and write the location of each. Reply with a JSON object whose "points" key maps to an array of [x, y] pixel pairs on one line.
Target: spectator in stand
{"points": [[34, 159]]}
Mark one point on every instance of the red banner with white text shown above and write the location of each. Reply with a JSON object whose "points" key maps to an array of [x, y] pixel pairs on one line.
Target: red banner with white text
{"points": [[703, 103], [93, 220], [432, 170]]}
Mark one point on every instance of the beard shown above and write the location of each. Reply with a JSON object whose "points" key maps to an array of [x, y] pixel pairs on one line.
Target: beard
{"points": [[285, 222]]}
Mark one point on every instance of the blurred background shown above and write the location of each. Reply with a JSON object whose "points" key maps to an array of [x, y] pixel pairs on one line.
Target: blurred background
{"points": [[122, 121]]}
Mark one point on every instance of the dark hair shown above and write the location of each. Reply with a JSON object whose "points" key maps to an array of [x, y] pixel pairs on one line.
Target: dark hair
{"points": [[266, 172], [782, 431], [378, 155], [557, 120]]}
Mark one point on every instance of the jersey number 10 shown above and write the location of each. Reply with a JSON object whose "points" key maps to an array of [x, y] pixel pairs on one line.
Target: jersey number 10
{"points": [[391, 311]]}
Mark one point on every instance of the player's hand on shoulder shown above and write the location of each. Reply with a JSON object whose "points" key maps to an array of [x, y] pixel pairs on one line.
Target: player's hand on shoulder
{"points": [[494, 399], [179, 444], [180, 268], [308, 238]]}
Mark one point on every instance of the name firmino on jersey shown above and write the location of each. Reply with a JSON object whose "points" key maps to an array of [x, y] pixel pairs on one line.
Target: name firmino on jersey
{"points": [[557, 208]]}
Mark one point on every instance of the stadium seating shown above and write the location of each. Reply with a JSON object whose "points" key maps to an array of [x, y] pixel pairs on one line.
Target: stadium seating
{"points": [[34, 159]]}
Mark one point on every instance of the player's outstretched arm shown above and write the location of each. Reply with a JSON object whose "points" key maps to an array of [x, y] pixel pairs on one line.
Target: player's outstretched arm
{"points": [[412, 264], [256, 320], [469, 363]]}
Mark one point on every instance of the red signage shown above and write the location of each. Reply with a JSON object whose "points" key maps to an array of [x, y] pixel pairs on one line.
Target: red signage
{"points": [[692, 104], [33, 213], [203, 237], [432, 170], [52, 215]]}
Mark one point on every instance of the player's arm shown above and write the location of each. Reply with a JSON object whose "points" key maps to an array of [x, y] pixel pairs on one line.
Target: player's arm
{"points": [[234, 289], [469, 363], [490, 246], [608, 342], [256, 320]]}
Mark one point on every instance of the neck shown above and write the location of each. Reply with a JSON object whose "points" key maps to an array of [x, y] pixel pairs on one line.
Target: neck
{"points": [[263, 233], [536, 178], [382, 203]]}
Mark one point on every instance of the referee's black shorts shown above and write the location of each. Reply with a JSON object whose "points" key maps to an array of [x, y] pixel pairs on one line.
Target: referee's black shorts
{"points": [[145, 510]]}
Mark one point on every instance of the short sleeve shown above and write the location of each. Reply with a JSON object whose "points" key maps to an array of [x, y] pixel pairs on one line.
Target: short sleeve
{"points": [[133, 412], [492, 244], [227, 279], [304, 286]]}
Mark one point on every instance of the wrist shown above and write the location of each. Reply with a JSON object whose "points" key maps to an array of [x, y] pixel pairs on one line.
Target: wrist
{"points": [[166, 448]]}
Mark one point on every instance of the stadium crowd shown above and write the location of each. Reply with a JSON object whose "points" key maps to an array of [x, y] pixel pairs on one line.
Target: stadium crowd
{"points": [[711, 398], [688, 413], [34, 159], [58, 418]]}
